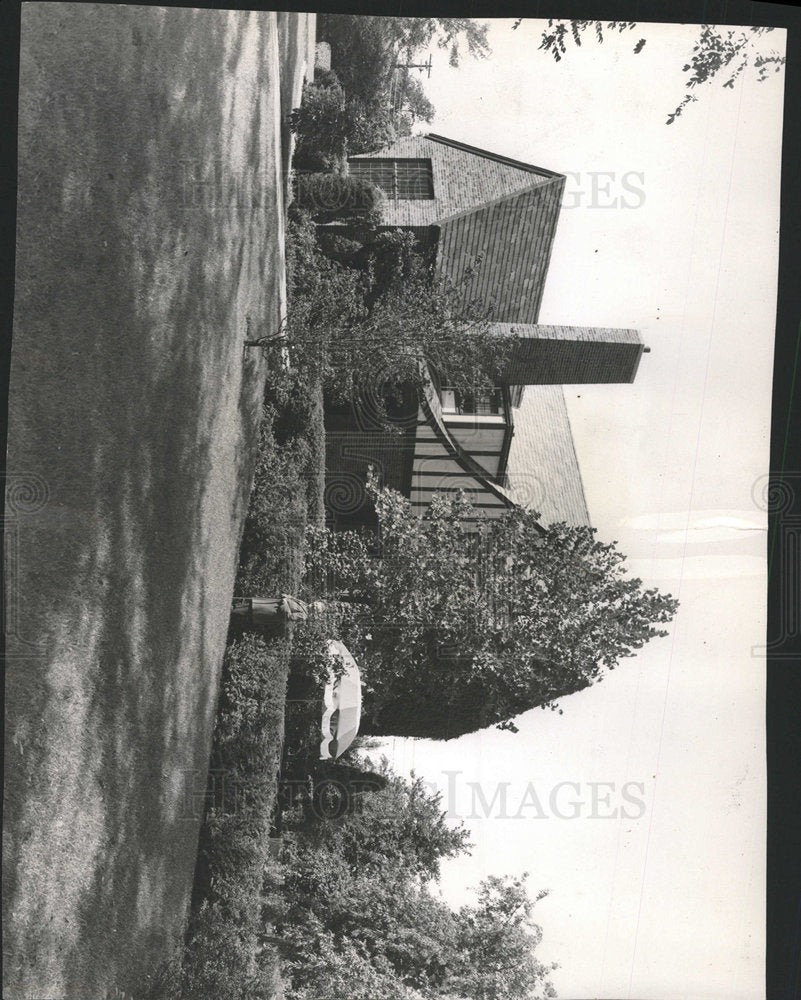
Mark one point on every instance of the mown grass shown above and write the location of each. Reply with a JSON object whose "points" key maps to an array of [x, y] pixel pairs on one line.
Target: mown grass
{"points": [[149, 227]]}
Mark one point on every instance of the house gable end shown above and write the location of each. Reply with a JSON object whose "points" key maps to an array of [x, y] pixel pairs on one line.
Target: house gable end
{"points": [[464, 178]]}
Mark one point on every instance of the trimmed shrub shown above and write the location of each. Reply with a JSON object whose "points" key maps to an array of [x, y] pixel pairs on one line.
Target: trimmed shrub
{"points": [[287, 494], [237, 887], [270, 555]]}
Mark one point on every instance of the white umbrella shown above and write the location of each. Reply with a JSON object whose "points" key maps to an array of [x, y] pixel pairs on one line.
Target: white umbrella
{"points": [[342, 704]]}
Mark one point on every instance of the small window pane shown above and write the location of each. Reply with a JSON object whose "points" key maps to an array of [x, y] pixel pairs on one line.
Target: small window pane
{"points": [[399, 179], [414, 179], [378, 172], [455, 401]]}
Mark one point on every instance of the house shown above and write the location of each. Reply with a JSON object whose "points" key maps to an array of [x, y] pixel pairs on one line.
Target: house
{"points": [[513, 446]]}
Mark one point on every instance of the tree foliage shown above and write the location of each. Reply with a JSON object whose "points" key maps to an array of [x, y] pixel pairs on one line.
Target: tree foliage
{"points": [[365, 323], [361, 920], [381, 41], [330, 125], [728, 51], [459, 629], [718, 51], [495, 942], [410, 35], [360, 887], [383, 98]]}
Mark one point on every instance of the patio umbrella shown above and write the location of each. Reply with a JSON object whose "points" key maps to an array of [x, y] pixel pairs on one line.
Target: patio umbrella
{"points": [[342, 705]]}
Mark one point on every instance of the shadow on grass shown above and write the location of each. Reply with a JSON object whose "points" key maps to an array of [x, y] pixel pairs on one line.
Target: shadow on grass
{"points": [[147, 231]]}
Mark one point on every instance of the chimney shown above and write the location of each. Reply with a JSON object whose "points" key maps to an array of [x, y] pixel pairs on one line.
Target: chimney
{"points": [[570, 355]]}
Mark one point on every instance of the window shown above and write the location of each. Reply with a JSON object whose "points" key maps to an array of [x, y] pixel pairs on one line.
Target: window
{"points": [[454, 401], [399, 179]]}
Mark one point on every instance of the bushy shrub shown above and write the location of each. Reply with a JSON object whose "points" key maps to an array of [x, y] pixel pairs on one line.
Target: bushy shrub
{"points": [[369, 125], [320, 127], [342, 249], [329, 196], [325, 77], [330, 125]]}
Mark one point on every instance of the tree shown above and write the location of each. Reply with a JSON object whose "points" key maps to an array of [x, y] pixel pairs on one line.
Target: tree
{"points": [[368, 327], [360, 920], [357, 889], [370, 54], [412, 99], [405, 823], [495, 943], [379, 42], [717, 50], [412, 34], [457, 630], [362, 51], [331, 125]]}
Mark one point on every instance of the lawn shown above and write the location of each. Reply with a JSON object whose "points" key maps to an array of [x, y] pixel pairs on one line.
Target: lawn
{"points": [[150, 236]]}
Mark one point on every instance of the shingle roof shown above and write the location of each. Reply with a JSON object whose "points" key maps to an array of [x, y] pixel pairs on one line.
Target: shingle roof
{"points": [[513, 235], [542, 470], [504, 210], [497, 157]]}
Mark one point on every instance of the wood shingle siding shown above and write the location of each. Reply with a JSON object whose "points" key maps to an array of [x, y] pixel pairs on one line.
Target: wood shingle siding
{"points": [[463, 179]]}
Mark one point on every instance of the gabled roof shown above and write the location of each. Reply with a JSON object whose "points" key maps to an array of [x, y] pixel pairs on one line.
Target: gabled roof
{"points": [[512, 236], [542, 470], [489, 206]]}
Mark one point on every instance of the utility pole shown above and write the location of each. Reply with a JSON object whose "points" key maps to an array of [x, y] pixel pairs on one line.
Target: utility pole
{"points": [[420, 66], [401, 89]]}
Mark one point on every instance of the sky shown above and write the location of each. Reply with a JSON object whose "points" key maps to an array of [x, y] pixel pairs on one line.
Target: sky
{"points": [[653, 851]]}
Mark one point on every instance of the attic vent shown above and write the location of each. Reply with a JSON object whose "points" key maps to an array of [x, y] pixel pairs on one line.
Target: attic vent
{"points": [[401, 179]]}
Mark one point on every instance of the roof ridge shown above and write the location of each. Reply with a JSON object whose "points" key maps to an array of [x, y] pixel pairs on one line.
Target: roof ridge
{"points": [[477, 151]]}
